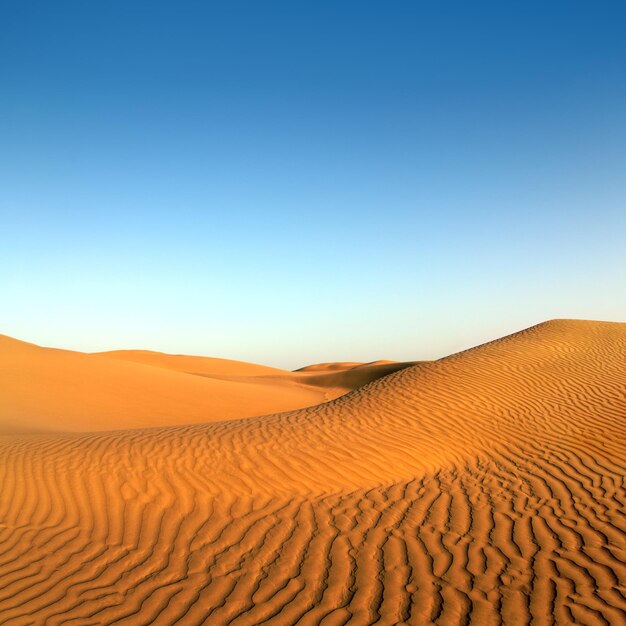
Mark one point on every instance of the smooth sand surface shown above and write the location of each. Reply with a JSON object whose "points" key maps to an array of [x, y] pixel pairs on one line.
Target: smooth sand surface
{"points": [[484, 488], [49, 389]]}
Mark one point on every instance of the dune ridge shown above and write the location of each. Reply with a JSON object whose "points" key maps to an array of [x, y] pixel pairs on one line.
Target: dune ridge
{"points": [[51, 389], [484, 488]]}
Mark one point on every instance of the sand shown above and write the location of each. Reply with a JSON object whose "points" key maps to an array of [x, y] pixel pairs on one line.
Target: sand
{"points": [[48, 389], [484, 488]]}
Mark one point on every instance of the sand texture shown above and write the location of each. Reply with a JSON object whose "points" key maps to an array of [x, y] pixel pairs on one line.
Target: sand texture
{"points": [[48, 389], [484, 488]]}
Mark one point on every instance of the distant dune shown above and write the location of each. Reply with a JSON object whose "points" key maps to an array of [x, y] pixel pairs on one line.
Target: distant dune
{"points": [[49, 389], [484, 488]]}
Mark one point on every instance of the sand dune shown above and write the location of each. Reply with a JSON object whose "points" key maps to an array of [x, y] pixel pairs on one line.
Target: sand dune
{"points": [[484, 488], [49, 389], [349, 376], [199, 365], [335, 378]]}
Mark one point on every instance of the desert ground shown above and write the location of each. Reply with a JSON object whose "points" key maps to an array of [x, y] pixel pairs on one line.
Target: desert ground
{"points": [[487, 487]]}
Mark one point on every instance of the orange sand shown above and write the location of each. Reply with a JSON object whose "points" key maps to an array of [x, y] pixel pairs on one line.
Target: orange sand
{"points": [[48, 389], [484, 488]]}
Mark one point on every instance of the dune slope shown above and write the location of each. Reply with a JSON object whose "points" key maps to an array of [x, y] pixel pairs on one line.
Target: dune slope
{"points": [[62, 390], [484, 488]]}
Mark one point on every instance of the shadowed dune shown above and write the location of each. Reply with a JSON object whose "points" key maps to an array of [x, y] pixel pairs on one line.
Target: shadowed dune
{"points": [[50, 389], [484, 488], [349, 376]]}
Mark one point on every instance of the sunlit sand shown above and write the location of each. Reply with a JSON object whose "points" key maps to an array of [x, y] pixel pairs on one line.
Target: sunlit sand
{"points": [[482, 488]]}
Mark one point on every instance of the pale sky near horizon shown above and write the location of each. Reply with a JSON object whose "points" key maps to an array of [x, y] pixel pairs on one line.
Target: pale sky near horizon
{"points": [[294, 182]]}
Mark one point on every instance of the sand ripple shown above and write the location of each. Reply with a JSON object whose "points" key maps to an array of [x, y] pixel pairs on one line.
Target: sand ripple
{"points": [[484, 488]]}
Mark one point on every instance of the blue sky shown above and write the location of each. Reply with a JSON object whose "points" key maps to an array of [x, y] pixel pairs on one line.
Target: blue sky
{"points": [[291, 182]]}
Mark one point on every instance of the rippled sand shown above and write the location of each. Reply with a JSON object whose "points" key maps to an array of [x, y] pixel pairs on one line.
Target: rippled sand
{"points": [[484, 488]]}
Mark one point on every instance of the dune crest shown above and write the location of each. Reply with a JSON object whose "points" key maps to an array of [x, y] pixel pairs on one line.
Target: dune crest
{"points": [[484, 488], [62, 390]]}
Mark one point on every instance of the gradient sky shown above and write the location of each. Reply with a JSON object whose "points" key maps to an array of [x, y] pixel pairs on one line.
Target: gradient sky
{"points": [[292, 182]]}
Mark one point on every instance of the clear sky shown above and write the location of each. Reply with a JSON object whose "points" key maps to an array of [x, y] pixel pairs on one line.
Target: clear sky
{"points": [[290, 182]]}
